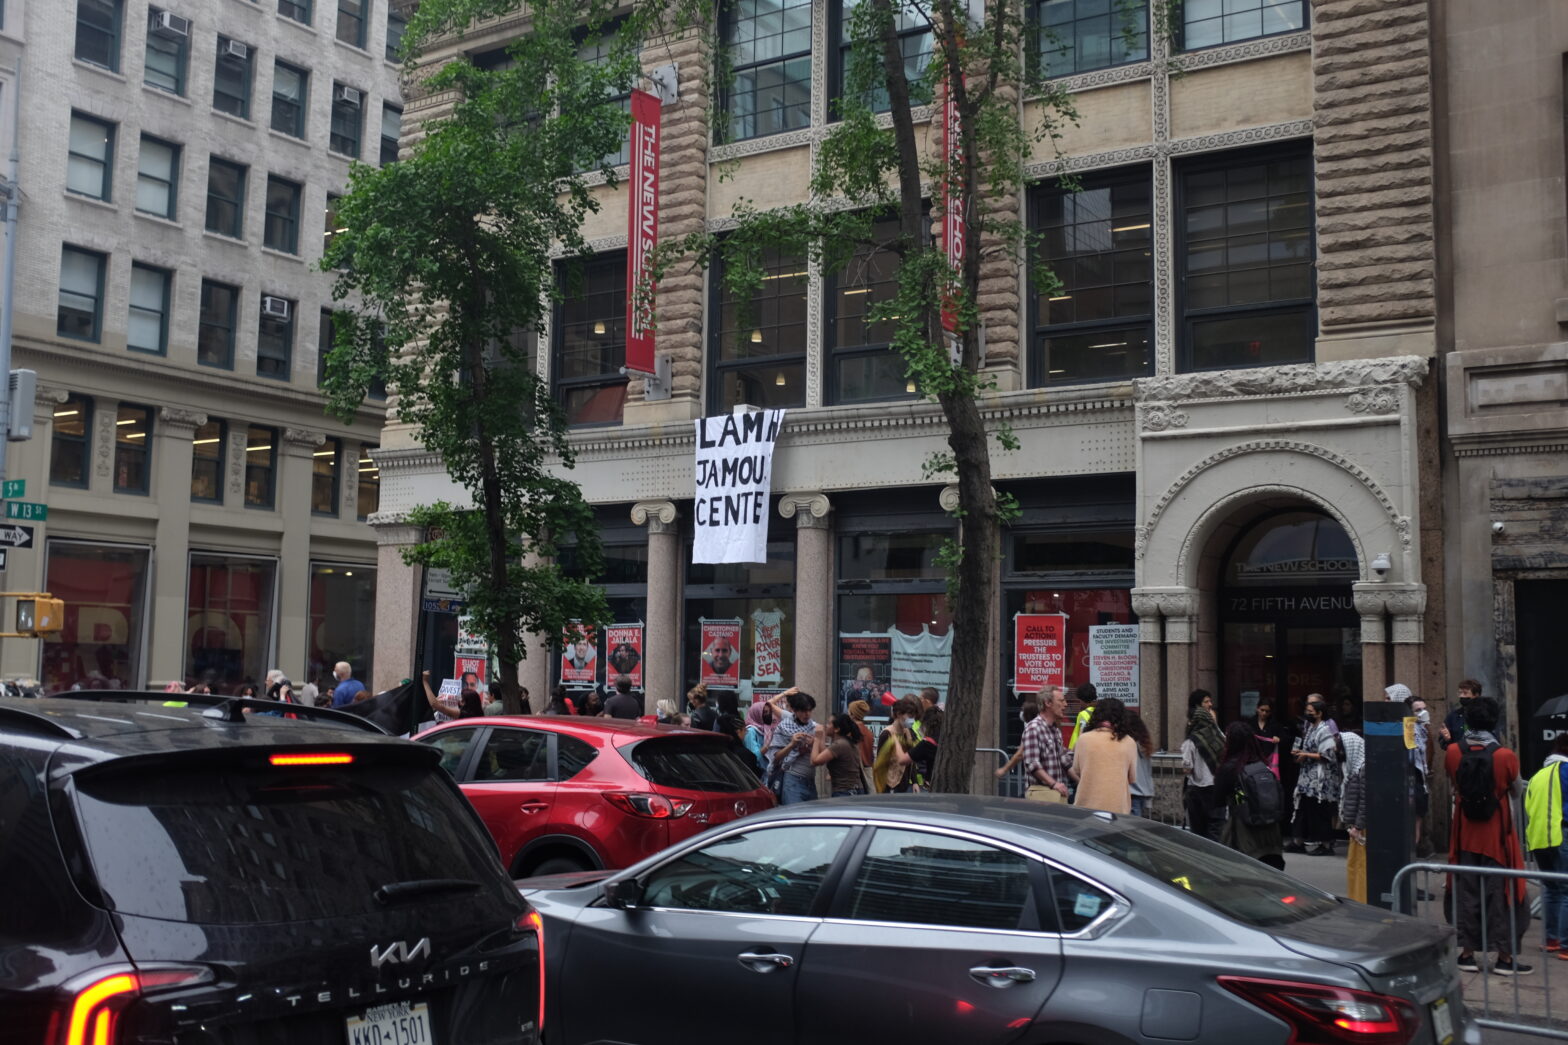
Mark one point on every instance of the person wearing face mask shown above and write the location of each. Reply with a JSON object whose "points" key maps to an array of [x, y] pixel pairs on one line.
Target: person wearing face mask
{"points": [[1419, 766], [1268, 731], [894, 768], [1318, 788]]}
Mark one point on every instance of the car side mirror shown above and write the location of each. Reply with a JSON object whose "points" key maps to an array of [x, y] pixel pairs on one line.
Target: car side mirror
{"points": [[623, 893]]}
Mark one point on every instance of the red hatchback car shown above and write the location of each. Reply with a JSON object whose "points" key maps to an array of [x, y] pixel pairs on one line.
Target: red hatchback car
{"points": [[564, 794]]}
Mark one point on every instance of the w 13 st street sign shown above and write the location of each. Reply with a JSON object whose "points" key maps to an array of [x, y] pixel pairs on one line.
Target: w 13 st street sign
{"points": [[29, 510]]}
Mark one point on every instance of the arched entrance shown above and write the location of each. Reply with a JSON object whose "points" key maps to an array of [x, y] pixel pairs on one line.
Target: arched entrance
{"points": [[1288, 624]]}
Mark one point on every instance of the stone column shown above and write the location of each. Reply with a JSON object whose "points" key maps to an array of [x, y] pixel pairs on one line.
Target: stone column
{"points": [[171, 478], [1407, 608], [295, 467], [1405, 604], [533, 674], [397, 602], [1371, 605], [814, 654], [662, 655], [1177, 609]]}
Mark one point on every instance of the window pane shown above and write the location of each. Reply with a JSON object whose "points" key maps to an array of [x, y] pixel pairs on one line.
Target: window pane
{"points": [[90, 157], [275, 342], [453, 745], [591, 342], [324, 478], [231, 79], [132, 439], [288, 100], [229, 602], [260, 453], [69, 443], [156, 176], [342, 622], [281, 231], [369, 484], [1210, 22], [514, 754], [1229, 342], [149, 308], [770, 871], [346, 118], [1078, 903], [98, 32], [351, 22], [81, 286], [208, 449], [104, 590], [1100, 355], [1075, 36], [770, 90], [911, 876], [165, 64], [225, 198], [215, 335]]}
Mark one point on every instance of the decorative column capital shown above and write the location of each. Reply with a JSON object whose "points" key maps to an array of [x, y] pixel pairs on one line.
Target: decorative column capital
{"points": [[1404, 601], [809, 510], [1172, 603], [658, 516], [176, 421], [393, 528], [302, 441]]}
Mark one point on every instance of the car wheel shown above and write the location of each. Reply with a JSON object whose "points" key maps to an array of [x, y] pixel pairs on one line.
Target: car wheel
{"points": [[556, 865]]}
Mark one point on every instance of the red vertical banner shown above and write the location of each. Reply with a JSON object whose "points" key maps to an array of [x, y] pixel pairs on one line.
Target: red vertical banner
{"points": [[720, 652], [953, 230], [1039, 651], [642, 231]]}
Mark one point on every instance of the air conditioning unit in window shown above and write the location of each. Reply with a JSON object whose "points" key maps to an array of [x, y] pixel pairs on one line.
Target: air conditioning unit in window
{"points": [[274, 308], [171, 26], [235, 50], [347, 95]]}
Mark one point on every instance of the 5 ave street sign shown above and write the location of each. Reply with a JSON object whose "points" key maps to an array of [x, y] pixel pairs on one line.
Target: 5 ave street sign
{"points": [[30, 510], [13, 488], [16, 536]]}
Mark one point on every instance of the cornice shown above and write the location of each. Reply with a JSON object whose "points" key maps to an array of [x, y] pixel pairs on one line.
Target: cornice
{"points": [[1296, 379], [1263, 47]]}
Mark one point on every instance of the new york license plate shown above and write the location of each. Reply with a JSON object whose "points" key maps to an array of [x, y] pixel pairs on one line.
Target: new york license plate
{"points": [[397, 1023]]}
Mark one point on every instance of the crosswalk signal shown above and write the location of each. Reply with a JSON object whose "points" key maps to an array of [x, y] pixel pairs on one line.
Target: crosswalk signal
{"points": [[39, 615]]}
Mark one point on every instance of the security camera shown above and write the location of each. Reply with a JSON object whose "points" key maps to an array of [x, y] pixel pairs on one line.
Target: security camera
{"points": [[1381, 565], [1497, 527]]}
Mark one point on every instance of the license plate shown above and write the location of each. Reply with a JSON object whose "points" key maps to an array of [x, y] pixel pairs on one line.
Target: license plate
{"points": [[397, 1023], [1442, 1022]]}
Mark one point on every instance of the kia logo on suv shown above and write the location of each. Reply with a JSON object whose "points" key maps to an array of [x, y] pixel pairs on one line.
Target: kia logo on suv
{"points": [[398, 953]]}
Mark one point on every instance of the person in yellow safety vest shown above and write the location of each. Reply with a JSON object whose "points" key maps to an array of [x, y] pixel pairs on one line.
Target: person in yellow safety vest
{"points": [[1545, 836], [1088, 695]]}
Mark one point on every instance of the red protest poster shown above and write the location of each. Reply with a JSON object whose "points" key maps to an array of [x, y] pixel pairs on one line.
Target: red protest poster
{"points": [[1039, 651], [579, 660], [865, 668], [462, 665], [624, 659], [721, 653], [642, 230]]}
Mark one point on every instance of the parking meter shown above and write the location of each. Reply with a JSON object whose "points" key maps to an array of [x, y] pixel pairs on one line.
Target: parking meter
{"points": [[1390, 812]]}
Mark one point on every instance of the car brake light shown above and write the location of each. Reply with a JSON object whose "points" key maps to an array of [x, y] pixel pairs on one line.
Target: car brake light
{"points": [[647, 804], [312, 758], [534, 922], [95, 1010], [1319, 1014]]}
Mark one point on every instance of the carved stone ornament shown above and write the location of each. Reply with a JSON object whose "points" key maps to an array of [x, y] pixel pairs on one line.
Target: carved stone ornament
{"points": [[809, 510], [236, 462], [174, 417], [103, 442], [50, 395], [1373, 401], [1160, 417], [1283, 380], [1175, 603], [305, 437], [658, 516]]}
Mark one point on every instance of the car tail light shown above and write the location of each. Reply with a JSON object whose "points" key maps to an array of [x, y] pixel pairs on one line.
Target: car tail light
{"points": [[1319, 1014], [93, 1013], [534, 922], [647, 804], [312, 758]]}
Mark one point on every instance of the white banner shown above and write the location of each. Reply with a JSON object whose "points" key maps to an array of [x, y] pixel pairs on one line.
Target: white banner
{"points": [[1113, 661], [767, 646], [920, 660], [734, 473]]}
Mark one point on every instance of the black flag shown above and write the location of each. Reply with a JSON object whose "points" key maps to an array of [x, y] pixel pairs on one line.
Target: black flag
{"points": [[398, 711]]}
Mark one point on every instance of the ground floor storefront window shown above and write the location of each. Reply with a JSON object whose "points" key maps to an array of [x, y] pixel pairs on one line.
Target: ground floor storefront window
{"points": [[342, 620], [104, 588], [229, 620], [739, 629]]}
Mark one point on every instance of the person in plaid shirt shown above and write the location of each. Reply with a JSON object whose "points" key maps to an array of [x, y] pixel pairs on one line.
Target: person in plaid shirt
{"points": [[1045, 756]]}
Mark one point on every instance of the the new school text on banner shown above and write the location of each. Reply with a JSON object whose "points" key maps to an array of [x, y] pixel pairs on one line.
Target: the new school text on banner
{"points": [[720, 652], [642, 230], [734, 476], [580, 659], [767, 646], [1113, 661], [1039, 651], [623, 654]]}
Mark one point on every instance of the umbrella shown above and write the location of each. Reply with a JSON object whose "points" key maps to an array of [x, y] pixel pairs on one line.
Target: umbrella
{"points": [[1553, 708], [399, 710]]}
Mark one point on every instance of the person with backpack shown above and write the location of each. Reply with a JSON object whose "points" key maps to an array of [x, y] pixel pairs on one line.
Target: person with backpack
{"points": [[1486, 779], [1545, 838], [1250, 791]]}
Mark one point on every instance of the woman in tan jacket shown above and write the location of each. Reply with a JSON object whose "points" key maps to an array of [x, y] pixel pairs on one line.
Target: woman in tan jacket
{"points": [[1105, 762]]}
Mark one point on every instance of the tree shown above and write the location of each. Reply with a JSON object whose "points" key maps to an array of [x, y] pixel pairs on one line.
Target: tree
{"points": [[444, 263]]}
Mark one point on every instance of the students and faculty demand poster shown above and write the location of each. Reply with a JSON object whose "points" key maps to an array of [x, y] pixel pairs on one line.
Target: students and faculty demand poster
{"points": [[734, 474]]}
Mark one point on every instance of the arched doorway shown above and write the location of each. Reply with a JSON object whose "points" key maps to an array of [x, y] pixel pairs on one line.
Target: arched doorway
{"points": [[1288, 622]]}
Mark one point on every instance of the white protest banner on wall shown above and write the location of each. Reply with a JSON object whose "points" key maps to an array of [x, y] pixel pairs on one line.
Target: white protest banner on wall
{"points": [[920, 660], [734, 473], [1113, 661]]}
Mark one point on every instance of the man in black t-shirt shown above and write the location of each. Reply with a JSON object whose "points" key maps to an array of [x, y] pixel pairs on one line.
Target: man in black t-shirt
{"points": [[624, 704]]}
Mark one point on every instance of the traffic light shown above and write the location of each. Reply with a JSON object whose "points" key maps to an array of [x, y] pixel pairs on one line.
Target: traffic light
{"points": [[39, 615]]}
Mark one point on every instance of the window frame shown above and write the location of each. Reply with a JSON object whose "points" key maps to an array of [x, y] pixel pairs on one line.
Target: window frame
{"points": [[833, 353], [285, 363], [838, 71], [102, 261], [724, 122], [362, 18], [167, 276], [218, 461], [182, 57], [605, 378], [237, 231], [85, 406], [176, 157], [248, 78], [1180, 44], [271, 467], [334, 447], [202, 323], [145, 450], [297, 128], [333, 133], [717, 366], [115, 33], [394, 42], [302, 6], [362, 455], [105, 163], [833, 879], [1034, 56], [1185, 317], [287, 220], [388, 107]]}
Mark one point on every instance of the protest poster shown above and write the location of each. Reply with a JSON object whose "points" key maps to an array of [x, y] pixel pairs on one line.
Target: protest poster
{"points": [[462, 664], [623, 656], [767, 646], [580, 659], [1039, 651], [920, 661], [865, 661], [734, 476], [1113, 661], [468, 640], [720, 652]]}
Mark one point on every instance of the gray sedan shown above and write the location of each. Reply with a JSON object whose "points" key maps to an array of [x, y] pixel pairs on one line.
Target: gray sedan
{"points": [[983, 921]]}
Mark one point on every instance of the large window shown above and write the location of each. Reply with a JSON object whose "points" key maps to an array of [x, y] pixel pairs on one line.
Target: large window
{"points": [[325, 465], [369, 498], [147, 329], [168, 52], [281, 229], [225, 198], [351, 21], [1097, 325], [1247, 286], [863, 367], [914, 41], [132, 449], [290, 88], [1206, 23], [769, 91], [98, 25], [231, 78], [215, 333], [71, 442], [759, 345], [275, 338], [158, 178], [299, 10], [391, 129], [261, 457], [598, 51], [397, 25], [342, 620], [347, 120], [89, 169], [207, 455], [229, 614], [761, 596], [104, 588], [1075, 36], [80, 314], [590, 339]]}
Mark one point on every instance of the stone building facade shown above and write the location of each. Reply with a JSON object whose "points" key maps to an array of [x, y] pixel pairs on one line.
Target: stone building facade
{"points": [[1227, 413], [178, 160]]}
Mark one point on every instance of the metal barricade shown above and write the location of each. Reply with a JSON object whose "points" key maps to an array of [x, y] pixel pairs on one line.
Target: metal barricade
{"points": [[1012, 784], [1476, 901]]}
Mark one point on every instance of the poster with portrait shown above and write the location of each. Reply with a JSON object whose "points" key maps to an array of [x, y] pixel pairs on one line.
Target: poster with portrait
{"points": [[580, 659], [1039, 651], [623, 654], [865, 663], [721, 652], [767, 646]]}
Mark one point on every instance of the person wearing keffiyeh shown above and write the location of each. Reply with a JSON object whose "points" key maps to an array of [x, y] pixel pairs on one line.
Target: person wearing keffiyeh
{"points": [[1200, 757]]}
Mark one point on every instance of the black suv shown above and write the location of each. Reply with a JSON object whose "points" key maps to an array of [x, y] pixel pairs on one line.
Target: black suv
{"points": [[211, 871]]}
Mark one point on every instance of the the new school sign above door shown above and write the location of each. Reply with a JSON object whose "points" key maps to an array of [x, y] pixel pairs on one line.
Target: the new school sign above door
{"points": [[734, 476]]}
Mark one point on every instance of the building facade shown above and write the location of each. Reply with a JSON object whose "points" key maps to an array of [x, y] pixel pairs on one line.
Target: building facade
{"points": [[178, 163], [1227, 410]]}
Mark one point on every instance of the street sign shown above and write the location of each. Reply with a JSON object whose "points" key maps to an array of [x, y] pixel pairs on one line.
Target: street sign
{"points": [[16, 536], [13, 488], [2, 560], [30, 510]]}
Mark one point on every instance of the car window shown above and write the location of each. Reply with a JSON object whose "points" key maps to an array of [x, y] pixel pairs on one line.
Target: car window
{"points": [[777, 870], [691, 763], [453, 744], [1078, 903], [514, 754], [572, 755], [930, 879]]}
